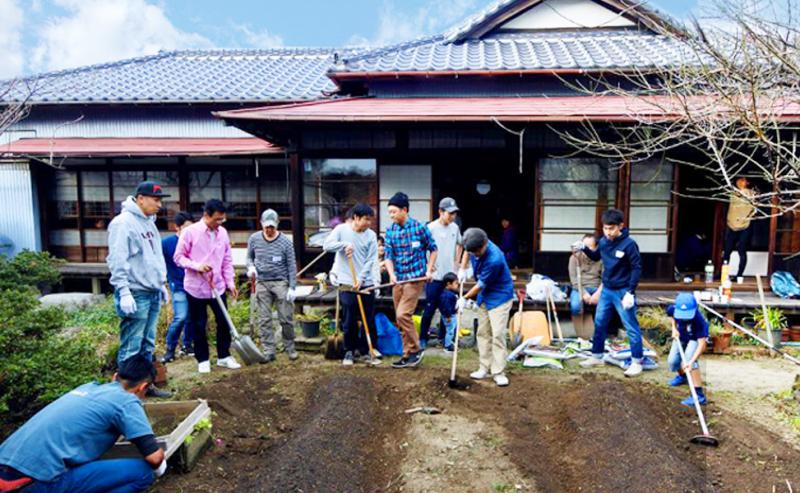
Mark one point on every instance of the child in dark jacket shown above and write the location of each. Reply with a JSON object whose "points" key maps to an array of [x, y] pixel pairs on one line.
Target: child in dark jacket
{"points": [[622, 268], [447, 308], [690, 330]]}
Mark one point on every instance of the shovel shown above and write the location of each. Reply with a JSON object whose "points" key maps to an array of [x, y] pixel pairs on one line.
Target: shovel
{"points": [[706, 438], [243, 345], [334, 348], [374, 361], [517, 337], [453, 383]]}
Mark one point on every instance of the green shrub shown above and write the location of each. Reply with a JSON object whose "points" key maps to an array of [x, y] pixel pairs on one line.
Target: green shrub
{"points": [[39, 363], [29, 270]]}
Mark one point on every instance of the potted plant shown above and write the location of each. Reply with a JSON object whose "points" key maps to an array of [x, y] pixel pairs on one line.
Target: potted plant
{"points": [[720, 337], [309, 323], [777, 321]]}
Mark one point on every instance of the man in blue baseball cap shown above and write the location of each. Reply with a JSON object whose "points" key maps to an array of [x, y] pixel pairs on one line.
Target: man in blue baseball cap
{"points": [[690, 330]]}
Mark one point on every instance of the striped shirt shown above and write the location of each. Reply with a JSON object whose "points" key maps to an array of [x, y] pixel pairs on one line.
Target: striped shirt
{"points": [[407, 246], [274, 260]]}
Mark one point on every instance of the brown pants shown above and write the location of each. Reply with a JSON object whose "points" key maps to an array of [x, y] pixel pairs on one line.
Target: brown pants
{"points": [[405, 298]]}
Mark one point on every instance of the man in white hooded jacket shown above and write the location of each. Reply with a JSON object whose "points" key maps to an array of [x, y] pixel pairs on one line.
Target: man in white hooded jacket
{"points": [[138, 273]]}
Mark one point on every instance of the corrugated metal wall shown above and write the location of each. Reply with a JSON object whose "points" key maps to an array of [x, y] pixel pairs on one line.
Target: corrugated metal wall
{"points": [[19, 219], [119, 121]]}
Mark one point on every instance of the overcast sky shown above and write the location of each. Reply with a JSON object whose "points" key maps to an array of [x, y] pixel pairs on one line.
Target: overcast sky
{"points": [[44, 35]]}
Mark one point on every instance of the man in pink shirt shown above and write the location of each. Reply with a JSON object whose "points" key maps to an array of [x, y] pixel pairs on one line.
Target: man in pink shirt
{"points": [[204, 250]]}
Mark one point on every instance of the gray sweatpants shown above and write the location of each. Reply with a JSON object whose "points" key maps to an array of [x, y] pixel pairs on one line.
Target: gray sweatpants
{"points": [[269, 294]]}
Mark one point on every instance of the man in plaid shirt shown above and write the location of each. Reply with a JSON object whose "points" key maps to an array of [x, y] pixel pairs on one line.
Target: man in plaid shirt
{"points": [[407, 243]]}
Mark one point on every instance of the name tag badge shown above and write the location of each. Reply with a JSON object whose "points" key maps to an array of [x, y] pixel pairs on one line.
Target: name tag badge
{"points": [[415, 244], [276, 258], [619, 254]]}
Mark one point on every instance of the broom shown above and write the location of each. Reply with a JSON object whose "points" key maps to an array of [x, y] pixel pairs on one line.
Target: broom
{"points": [[334, 347]]}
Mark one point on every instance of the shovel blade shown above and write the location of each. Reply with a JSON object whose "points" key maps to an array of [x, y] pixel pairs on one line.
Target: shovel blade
{"points": [[705, 440], [455, 384], [248, 351]]}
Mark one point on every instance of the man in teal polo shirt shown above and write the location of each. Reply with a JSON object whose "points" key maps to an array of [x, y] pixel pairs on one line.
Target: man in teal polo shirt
{"points": [[59, 449]]}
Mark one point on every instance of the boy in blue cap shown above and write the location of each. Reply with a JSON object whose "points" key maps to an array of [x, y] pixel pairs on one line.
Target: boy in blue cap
{"points": [[690, 330]]}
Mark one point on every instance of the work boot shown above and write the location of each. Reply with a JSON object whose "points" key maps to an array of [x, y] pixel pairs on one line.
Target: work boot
{"points": [[153, 391], [593, 361], [634, 370], [169, 356], [678, 381]]}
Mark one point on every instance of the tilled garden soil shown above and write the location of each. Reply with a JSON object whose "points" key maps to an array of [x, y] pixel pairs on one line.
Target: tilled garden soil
{"points": [[325, 429]]}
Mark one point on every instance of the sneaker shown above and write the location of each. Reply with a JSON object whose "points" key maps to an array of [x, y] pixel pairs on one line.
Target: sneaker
{"points": [[479, 375], [268, 358], [229, 363], [188, 350], [348, 359], [414, 359], [372, 361], [501, 380], [204, 367], [634, 370], [589, 362], [689, 401], [153, 391], [678, 381], [169, 356], [292, 353], [401, 363], [449, 349]]}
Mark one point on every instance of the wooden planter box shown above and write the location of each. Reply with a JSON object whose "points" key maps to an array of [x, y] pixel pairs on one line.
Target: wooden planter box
{"points": [[187, 414]]}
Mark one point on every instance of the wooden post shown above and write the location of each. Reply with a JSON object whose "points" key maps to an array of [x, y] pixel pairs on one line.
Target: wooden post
{"points": [[773, 232], [296, 182]]}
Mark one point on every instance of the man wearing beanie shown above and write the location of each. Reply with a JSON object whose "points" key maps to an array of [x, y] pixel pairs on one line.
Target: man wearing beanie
{"points": [[407, 243], [493, 293], [270, 259]]}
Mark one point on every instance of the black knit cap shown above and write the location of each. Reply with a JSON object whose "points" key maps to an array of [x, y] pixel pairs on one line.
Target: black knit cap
{"points": [[399, 200], [136, 369]]}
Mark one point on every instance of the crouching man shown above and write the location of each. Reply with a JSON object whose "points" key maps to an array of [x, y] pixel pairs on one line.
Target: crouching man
{"points": [[493, 294], [59, 449]]}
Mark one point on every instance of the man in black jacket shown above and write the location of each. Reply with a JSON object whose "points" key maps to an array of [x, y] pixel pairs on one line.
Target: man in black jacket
{"points": [[622, 268]]}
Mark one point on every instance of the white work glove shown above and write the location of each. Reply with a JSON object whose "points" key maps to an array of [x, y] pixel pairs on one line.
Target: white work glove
{"points": [[127, 304], [463, 303], [462, 275], [628, 301], [251, 271], [161, 469], [291, 295], [164, 296], [577, 246]]}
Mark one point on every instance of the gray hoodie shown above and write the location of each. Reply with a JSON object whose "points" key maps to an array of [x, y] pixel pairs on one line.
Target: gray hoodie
{"points": [[134, 257]]}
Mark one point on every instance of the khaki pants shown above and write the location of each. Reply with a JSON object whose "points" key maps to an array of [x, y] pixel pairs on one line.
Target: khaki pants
{"points": [[405, 298], [269, 294], [492, 333]]}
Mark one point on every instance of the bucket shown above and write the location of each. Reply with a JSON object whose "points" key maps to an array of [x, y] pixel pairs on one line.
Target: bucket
{"points": [[310, 328]]}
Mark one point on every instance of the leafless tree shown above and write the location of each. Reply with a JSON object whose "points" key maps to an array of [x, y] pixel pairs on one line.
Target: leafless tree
{"points": [[731, 108], [14, 102]]}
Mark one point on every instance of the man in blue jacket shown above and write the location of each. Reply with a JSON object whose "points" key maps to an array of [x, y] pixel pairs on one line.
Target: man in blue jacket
{"points": [[180, 304], [494, 293], [59, 450], [622, 268]]}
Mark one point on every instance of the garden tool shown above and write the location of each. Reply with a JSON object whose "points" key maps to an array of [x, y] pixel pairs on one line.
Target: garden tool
{"points": [[453, 383], [304, 269], [767, 321], [516, 335], [334, 347], [749, 333], [706, 438], [363, 313], [243, 345], [555, 314], [584, 325], [390, 285]]}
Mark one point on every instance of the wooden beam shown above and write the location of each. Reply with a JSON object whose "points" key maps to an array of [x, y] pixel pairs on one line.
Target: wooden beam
{"points": [[296, 182]]}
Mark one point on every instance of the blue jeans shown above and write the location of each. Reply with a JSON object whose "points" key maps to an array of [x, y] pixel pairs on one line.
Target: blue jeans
{"points": [[610, 300], [433, 291], [180, 315], [100, 476], [575, 299], [450, 330], [674, 358], [137, 331]]}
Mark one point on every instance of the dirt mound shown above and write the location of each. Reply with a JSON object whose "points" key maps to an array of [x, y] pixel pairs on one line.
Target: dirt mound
{"points": [[333, 447]]}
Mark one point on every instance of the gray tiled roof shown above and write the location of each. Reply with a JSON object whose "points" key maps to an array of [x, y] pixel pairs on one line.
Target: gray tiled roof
{"points": [[529, 51], [272, 75]]}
